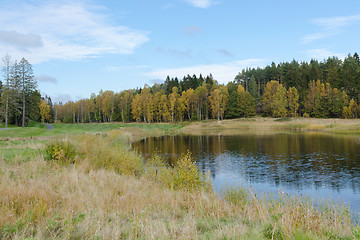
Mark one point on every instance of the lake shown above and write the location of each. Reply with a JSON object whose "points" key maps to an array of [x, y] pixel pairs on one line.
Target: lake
{"points": [[322, 166]]}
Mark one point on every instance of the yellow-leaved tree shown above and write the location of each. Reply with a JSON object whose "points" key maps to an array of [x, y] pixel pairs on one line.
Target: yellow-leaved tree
{"points": [[274, 99], [293, 101], [44, 111], [218, 101]]}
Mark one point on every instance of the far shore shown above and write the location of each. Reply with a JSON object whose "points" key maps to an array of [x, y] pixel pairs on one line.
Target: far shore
{"points": [[136, 131], [264, 124]]}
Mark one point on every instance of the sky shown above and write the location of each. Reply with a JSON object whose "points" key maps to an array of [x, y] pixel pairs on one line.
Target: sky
{"points": [[81, 47]]}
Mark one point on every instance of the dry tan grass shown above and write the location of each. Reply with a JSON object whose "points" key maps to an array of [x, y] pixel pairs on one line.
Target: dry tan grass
{"points": [[264, 125], [45, 200], [114, 206]]}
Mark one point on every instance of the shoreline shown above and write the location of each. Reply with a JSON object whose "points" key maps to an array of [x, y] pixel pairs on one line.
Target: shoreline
{"points": [[109, 192]]}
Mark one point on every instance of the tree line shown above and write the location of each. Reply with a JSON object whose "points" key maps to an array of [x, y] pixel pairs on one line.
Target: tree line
{"points": [[326, 89], [19, 98]]}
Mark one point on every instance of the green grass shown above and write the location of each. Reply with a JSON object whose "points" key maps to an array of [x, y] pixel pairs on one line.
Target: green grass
{"points": [[37, 130], [36, 125], [108, 193], [9, 155], [23, 150], [19, 143]]}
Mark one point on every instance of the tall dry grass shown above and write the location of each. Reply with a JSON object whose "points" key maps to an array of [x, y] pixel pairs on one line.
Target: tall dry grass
{"points": [[109, 192]]}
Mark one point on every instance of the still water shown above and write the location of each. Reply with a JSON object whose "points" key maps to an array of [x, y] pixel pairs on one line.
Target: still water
{"points": [[322, 166]]}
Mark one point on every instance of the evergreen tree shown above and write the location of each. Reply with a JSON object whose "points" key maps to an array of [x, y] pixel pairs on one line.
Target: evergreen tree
{"points": [[28, 84], [245, 103], [233, 108], [253, 88]]}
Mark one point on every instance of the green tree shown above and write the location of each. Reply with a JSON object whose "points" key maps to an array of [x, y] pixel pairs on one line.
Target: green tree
{"points": [[253, 88], [233, 107], [337, 101], [245, 103], [28, 84]]}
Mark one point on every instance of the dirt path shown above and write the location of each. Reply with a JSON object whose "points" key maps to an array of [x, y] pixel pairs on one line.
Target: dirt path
{"points": [[49, 126], [3, 129]]}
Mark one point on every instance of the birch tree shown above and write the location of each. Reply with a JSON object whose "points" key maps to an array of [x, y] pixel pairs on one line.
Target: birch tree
{"points": [[6, 89]]}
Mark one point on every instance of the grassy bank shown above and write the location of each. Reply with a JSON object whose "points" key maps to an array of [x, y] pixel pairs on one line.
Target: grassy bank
{"points": [[257, 124], [136, 130], [92, 186], [38, 130]]}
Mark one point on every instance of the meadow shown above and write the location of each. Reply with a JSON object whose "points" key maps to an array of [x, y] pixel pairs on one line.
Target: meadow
{"points": [[83, 181]]}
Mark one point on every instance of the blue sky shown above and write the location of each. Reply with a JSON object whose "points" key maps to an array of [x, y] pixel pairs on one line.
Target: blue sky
{"points": [[80, 47]]}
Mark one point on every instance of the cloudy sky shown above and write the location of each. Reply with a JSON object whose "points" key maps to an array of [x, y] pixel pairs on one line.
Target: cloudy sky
{"points": [[80, 47]]}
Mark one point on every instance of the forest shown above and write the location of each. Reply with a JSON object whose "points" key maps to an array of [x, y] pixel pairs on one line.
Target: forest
{"points": [[319, 89]]}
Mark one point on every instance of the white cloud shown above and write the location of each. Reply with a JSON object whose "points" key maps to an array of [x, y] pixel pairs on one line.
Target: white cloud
{"points": [[322, 53], [155, 81], [61, 97], [200, 3], [46, 78], [21, 41], [223, 73], [66, 30], [176, 53], [192, 30], [224, 52], [331, 26], [337, 22], [119, 68]]}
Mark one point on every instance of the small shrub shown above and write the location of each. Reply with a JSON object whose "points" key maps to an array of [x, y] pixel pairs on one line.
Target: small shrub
{"points": [[236, 195], [185, 175], [60, 152]]}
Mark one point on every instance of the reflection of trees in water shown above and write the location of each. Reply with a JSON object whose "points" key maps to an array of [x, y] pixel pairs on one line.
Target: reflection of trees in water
{"points": [[294, 160]]}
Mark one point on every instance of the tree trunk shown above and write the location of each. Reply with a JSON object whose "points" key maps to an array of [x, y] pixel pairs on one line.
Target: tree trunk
{"points": [[122, 115], [7, 108], [82, 113], [23, 117]]}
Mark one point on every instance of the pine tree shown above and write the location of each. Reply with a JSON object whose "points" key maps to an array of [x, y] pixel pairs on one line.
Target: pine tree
{"points": [[245, 103], [253, 88], [28, 84]]}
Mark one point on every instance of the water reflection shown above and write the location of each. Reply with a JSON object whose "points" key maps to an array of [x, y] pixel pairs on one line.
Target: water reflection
{"points": [[300, 162]]}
